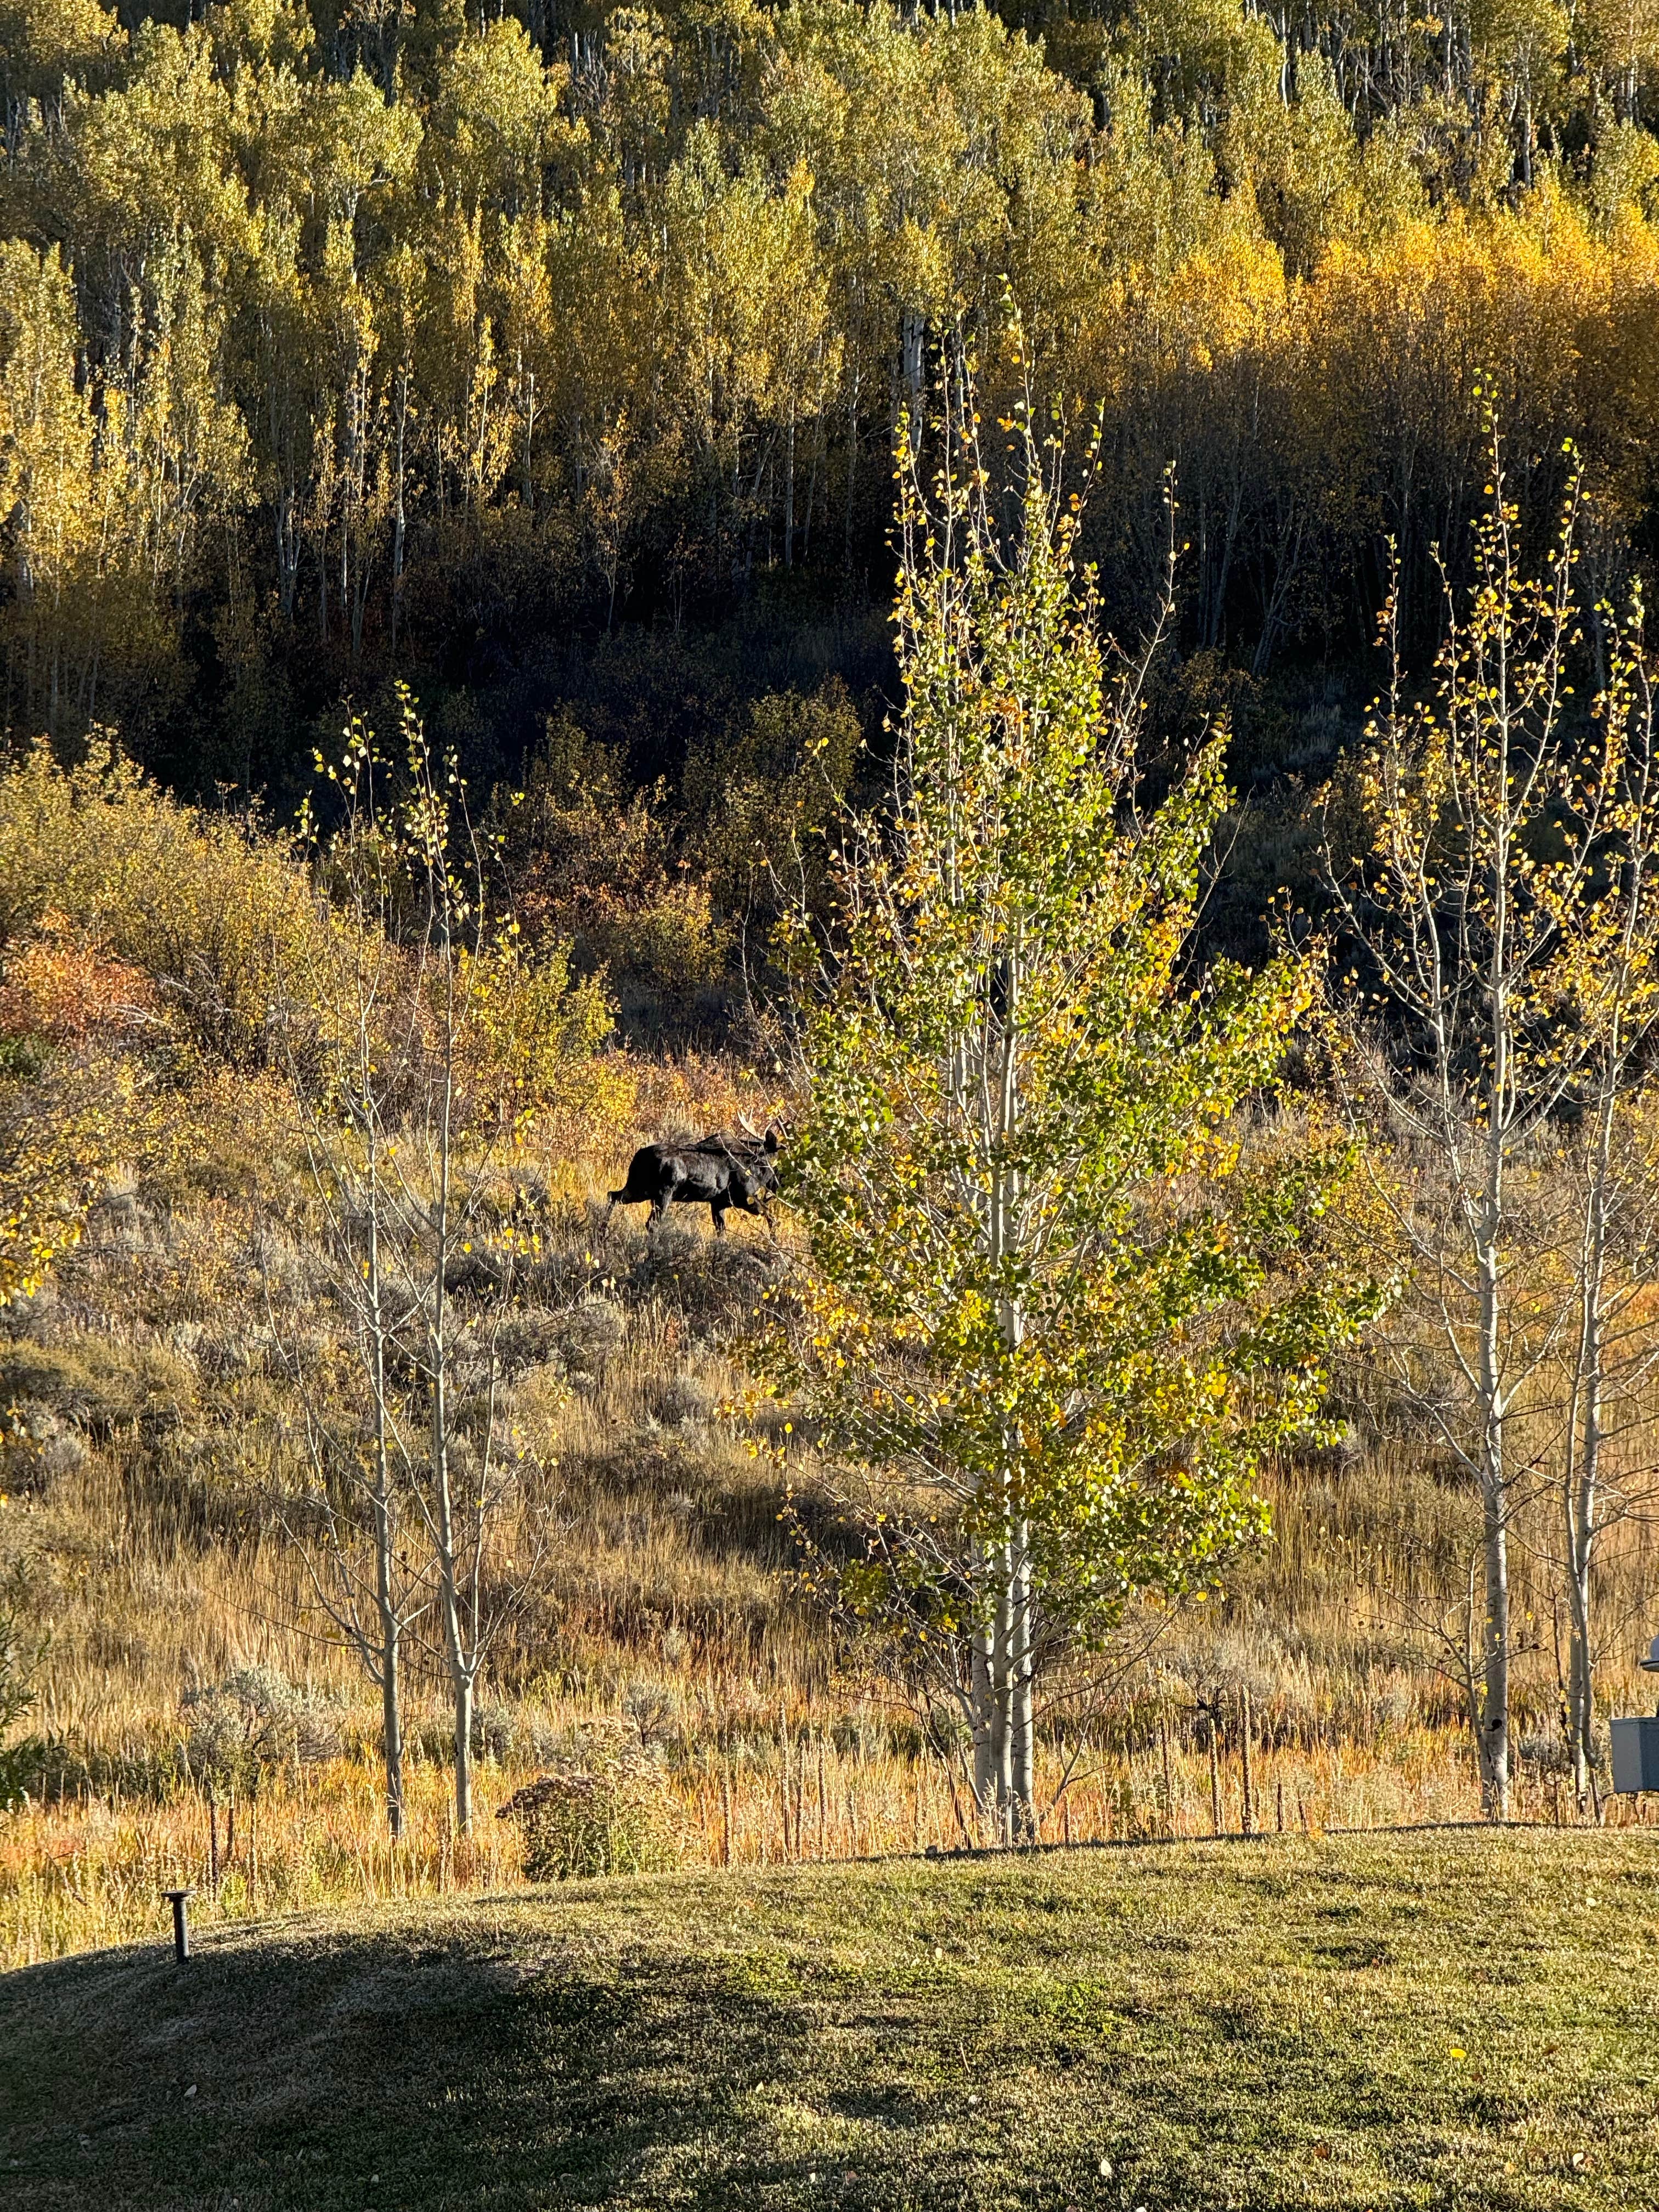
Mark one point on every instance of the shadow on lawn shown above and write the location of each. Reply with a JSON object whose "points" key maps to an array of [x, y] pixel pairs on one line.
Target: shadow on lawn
{"points": [[320, 2071]]}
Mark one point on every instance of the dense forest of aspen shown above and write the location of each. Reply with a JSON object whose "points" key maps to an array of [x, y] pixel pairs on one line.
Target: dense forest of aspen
{"points": [[551, 359]]}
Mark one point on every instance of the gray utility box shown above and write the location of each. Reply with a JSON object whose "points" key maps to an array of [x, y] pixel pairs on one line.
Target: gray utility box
{"points": [[1636, 1754]]}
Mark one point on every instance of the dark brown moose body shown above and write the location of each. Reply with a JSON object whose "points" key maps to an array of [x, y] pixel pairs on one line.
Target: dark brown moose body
{"points": [[718, 1172]]}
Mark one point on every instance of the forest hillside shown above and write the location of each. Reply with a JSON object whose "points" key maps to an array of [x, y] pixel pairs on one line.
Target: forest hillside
{"points": [[551, 360]]}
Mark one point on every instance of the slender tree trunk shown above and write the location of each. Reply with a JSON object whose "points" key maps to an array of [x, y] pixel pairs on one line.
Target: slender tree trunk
{"points": [[789, 492], [1002, 1677], [348, 504], [1215, 1777], [1023, 1757], [397, 519], [464, 1688], [460, 1658], [983, 1704], [383, 1512], [1016, 1808], [392, 1720], [1583, 1468], [1494, 1737], [912, 338], [1495, 1672], [287, 556], [529, 493], [391, 1666], [1489, 1225]]}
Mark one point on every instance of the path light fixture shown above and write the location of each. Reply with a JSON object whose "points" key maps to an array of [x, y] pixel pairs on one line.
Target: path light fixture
{"points": [[1636, 1742], [179, 1898]]}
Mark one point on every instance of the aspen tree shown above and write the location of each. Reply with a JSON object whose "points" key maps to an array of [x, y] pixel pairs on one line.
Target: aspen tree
{"points": [[1496, 1023], [1611, 939], [382, 1028], [1052, 1298]]}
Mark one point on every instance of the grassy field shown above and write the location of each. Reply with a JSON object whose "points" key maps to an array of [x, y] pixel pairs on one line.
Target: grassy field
{"points": [[138, 1546], [1446, 2018]]}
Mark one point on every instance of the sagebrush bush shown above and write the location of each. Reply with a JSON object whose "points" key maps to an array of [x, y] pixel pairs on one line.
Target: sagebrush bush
{"points": [[98, 1384], [254, 1719]]}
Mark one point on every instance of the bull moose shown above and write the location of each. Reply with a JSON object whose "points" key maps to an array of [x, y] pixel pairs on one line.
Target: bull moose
{"points": [[719, 1172]]}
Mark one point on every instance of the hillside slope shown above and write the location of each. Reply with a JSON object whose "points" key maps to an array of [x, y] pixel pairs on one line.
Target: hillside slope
{"points": [[1418, 2019]]}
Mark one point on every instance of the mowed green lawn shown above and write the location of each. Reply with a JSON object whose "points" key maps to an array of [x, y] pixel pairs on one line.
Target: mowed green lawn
{"points": [[1441, 2018]]}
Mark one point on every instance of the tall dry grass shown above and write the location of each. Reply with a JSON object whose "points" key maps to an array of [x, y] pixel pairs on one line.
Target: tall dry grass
{"points": [[138, 1542]]}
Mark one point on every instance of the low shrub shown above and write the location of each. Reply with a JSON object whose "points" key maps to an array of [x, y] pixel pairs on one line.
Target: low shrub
{"points": [[595, 869], [63, 1764], [36, 1448], [604, 1809], [195, 905], [255, 1719], [96, 1384]]}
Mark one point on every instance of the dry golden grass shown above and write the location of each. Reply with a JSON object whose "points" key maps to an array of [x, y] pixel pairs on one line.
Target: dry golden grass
{"points": [[664, 1600]]}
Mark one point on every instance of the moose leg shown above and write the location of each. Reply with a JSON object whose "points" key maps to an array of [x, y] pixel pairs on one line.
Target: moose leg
{"points": [[666, 1194], [717, 1214]]}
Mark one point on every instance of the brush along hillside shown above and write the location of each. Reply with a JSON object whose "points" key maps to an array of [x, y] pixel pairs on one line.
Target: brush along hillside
{"points": [[1372, 2023], [384, 1517]]}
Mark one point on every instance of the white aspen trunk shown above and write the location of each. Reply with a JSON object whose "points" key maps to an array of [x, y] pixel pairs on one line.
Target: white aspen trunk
{"points": [[982, 1705], [1581, 1685], [1494, 1741], [460, 1657], [449, 1597], [392, 1720], [349, 505], [360, 569], [398, 521], [1021, 1730], [464, 1753], [1583, 1468], [529, 438], [911, 340], [1494, 1734], [288, 552], [985, 1678], [1002, 1709], [1016, 1810], [383, 1510]]}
